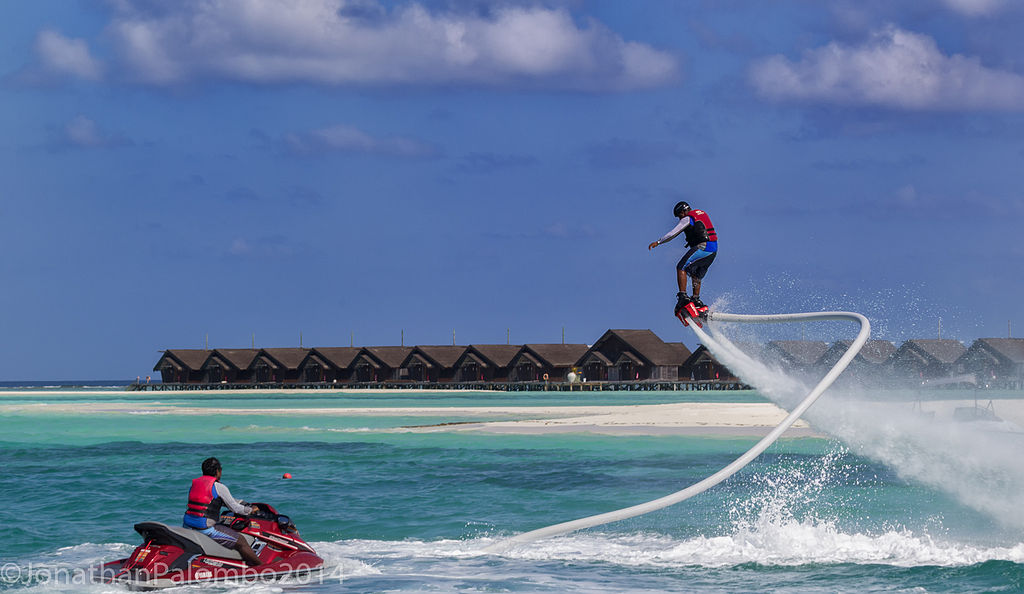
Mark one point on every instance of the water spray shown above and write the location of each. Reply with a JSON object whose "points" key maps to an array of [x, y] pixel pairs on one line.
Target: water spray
{"points": [[739, 463]]}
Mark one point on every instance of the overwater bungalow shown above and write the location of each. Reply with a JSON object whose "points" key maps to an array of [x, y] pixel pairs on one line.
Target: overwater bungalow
{"points": [[618, 356], [702, 365], [182, 366], [998, 361], [870, 364], [229, 366], [279, 365], [379, 363], [485, 363], [923, 359], [800, 355], [328, 364], [545, 362], [633, 355], [432, 363]]}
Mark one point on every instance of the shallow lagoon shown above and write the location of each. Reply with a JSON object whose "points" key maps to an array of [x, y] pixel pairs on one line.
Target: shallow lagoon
{"points": [[408, 511]]}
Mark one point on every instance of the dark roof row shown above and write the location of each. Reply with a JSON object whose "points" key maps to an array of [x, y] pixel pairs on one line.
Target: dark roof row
{"points": [[918, 353], [643, 346]]}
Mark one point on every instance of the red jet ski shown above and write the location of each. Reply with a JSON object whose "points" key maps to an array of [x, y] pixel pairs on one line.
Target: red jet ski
{"points": [[175, 555]]}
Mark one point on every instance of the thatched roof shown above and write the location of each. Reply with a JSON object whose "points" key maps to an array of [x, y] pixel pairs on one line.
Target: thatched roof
{"points": [[874, 351], [701, 353], [682, 351], [339, 357], [443, 356], [877, 351], [941, 350], [496, 355], [527, 355], [389, 356], [754, 350], [191, 359], [1011, 349], [646, 344], [285, 358], [799, 352], [592, 354], [238, 358], [629, 356], [556, 355]]}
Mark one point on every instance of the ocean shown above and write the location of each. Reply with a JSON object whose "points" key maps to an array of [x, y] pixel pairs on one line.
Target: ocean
{"points": [[392, 508]]}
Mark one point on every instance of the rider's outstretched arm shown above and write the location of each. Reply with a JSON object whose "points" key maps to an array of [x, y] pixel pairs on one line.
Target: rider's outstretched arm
{"points": [[683, 223]]}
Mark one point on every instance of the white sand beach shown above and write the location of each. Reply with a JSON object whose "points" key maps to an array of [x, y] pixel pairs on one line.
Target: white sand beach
{"points": [[680, 418], [687, 418]]}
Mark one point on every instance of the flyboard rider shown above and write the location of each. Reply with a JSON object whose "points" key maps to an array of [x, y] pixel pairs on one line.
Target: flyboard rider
{"points": [[703, 243], [205, 499]]}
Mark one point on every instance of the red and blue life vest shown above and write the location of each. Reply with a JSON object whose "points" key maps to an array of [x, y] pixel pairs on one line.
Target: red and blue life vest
{"points": [[701, 229], [201, 500]]}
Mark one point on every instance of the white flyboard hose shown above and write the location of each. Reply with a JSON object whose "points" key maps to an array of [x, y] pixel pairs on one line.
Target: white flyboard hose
{"points": [[736, 465]]}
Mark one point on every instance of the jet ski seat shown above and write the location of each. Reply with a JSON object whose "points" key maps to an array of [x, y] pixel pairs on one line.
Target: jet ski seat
{"points": [[189, 540]]}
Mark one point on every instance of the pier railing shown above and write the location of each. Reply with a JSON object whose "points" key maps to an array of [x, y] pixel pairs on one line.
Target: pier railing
{"points": [[641, 386]]}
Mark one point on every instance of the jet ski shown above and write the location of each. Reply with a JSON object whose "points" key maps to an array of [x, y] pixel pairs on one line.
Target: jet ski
{"points": [[176, 556]]}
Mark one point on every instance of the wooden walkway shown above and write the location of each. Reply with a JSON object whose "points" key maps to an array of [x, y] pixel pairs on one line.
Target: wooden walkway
{"points": [[634, 386]]}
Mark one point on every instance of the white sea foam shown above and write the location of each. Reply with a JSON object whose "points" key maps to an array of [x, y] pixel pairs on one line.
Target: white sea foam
{"points": [[780, 523], [970, 461], [771, 538], [767, 541], [790, 544], [308, 429], [787, 543]]}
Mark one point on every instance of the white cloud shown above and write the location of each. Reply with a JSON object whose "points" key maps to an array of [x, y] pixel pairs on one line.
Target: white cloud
{"points": [[83, 132], [907, 196], [267, 246], [974, 7], [341, 42], [896, 69], [66, 56], [240, 247], [348, 139]]}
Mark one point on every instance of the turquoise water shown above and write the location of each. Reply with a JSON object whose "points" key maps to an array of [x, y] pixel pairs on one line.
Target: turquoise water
{"points": [[382, 399], [392, 509]]}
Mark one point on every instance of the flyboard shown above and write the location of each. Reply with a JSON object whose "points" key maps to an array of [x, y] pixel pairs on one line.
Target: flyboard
{"points": [[693, 312], [698, 318]]}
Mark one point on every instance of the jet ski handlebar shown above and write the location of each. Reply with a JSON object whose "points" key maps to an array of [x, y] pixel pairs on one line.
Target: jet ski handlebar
{"points": [[262, 511]]}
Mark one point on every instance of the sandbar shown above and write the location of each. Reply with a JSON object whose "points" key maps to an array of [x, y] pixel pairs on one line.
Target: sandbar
{"points": [[687, 418], [684, 418]]}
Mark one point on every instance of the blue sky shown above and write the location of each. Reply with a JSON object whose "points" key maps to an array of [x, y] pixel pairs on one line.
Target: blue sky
{"points": [[340, 168]]}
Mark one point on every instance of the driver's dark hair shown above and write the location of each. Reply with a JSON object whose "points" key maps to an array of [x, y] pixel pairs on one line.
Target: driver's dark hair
{"points": [[211, 466]]}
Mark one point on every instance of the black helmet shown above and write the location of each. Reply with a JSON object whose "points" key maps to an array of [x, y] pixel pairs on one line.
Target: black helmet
{"points": [[680, 209]]}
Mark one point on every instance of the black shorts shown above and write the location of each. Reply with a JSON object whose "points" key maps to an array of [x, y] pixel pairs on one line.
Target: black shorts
{"points": [[695, 262]]}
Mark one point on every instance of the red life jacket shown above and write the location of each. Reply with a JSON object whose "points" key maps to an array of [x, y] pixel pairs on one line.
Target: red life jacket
{"points": [[699, 230], [201, 502], [699, 215]]}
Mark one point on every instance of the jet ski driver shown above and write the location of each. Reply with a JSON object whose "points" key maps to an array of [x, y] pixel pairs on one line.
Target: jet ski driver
{"points": [[205, 499]]}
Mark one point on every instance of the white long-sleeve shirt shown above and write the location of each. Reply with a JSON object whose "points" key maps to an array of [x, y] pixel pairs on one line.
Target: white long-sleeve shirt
{"points": [[683, 224], [220, 490]]}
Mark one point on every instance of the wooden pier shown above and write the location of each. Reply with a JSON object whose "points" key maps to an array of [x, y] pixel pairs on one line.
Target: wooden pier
{"points": [[634, 386]]}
